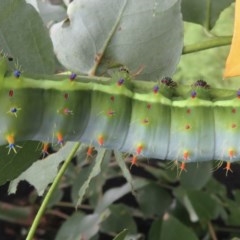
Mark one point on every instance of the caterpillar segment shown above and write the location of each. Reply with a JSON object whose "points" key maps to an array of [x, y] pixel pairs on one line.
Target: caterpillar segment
{"points": [[154, 120], [109, 113]]}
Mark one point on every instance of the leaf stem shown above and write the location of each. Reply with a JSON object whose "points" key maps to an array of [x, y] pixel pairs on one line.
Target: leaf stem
{"points": [[211, 43], [50, 192]]}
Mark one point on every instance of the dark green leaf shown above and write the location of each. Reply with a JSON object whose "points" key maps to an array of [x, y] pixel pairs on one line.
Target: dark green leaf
{"points": [[153, 200], [121, 235], [24, 37], [197, 175], [204, 12], [114, 223], [172, 229], [155, 230], [11, 165], [204, 205]]}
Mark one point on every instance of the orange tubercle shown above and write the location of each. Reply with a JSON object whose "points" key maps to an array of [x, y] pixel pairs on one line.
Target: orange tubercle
{"points": [[90, 151], [231, 153], [139, 149], [133, 161], [100, 140], [145, 121], [45, 149], [60, 138], [10, 139], [228, 168], [110, 113], [182, 167], [186, 155]]}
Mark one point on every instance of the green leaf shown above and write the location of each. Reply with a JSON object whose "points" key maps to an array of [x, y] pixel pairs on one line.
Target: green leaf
{"points": [[43, 172], [149, 198], [126, 173], [121, 235], [155, 230], [103, 34], [114, 223], [14, 214], [24, 37], [12, 165], [94, 172], [204, 205], [197, 175], [86, 227], [172, 229], [55, 197], [204, 12], [114, 194]]}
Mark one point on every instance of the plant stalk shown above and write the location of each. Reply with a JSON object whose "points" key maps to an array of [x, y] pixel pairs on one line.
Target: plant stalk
{"points": [[211, 43], [50, 192]]}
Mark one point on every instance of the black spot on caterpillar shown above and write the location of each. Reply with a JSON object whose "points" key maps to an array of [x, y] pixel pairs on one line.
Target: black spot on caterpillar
{"points": [[154, 119]]}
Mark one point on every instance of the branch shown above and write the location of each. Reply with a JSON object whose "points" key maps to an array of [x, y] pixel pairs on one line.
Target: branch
{"points": [[211, 43]]}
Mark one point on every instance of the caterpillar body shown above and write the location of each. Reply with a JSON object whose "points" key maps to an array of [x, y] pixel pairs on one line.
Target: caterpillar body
{"points": [[150, 119]]}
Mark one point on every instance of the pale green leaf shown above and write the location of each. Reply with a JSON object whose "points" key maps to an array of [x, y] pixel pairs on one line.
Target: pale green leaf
{"points": [[94, 172], [101, 34], [114, 194], [43, 171], [50, 13], [126, 173], [79, 226]]}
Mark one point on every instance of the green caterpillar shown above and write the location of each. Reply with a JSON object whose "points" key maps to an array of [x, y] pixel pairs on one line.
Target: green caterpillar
{"points": [[151, 119]]}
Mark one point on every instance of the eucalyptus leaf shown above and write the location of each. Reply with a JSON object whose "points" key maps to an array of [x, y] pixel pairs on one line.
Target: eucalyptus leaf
{"points": [[96, 169], [43, 171], [138, 34]]}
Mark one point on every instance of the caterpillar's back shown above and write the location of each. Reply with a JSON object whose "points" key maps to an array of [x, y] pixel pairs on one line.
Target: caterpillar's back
{"points": [[155, 119]]}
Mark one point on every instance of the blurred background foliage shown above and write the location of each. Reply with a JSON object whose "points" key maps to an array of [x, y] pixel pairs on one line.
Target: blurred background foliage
{"points": [[101, 197]]}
